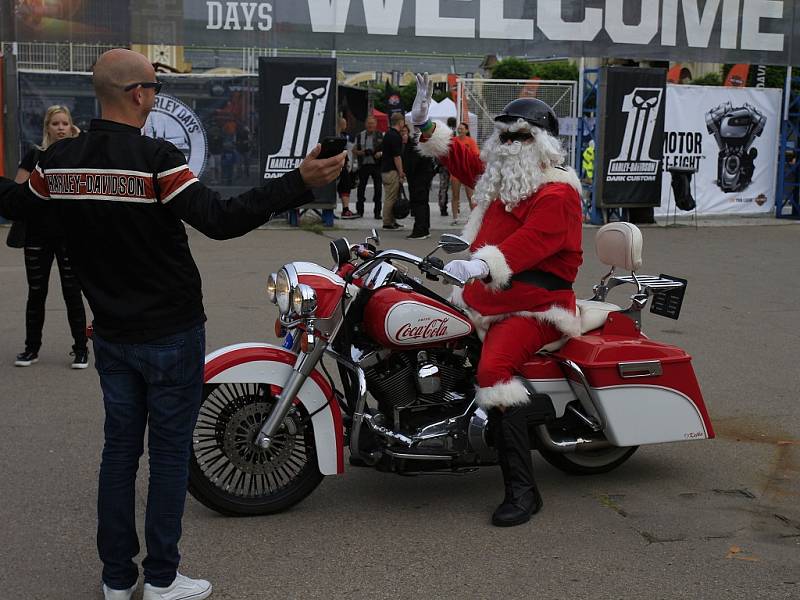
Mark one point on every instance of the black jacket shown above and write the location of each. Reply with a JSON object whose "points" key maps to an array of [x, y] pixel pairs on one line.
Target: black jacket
{"points": [[121, 198], [419, 169]]}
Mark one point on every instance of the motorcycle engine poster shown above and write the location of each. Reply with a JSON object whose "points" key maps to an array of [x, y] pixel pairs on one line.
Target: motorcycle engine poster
{"points": [[631, 130], [297, 108], [729, 137]]}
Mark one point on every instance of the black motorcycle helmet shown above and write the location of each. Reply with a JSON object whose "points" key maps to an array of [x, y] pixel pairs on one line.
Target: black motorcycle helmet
{"points": [[532, 110]]}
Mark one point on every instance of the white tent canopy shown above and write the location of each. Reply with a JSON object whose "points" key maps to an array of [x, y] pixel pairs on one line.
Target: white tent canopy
{"points": [[447, 108], [444, 109]]}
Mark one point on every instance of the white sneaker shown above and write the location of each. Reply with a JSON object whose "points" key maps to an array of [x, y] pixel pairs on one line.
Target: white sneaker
{"points": [[112, 594], [183, 588]]}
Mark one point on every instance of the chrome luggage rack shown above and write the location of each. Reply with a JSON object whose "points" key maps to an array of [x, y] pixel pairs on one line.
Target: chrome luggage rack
{"points": [[647, 283], [667, 293]]}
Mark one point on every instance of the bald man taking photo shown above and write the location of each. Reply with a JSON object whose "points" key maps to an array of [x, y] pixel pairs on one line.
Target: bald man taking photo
{"points": [[121, 199]]}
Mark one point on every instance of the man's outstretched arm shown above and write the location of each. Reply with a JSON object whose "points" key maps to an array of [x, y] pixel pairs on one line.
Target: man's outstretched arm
{"points": [[219, 218], [17, 202]]}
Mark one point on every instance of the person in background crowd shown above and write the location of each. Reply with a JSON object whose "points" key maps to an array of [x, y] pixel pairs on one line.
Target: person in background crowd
{"points": [[587, 163], [243, 142], [215, 139], [442, 196], [463, 137], [405, 135], [392, 169], [444, 175], [44, 241], [129, 248], [419, 173], [345, 182], [229, 155], [368, 153]]}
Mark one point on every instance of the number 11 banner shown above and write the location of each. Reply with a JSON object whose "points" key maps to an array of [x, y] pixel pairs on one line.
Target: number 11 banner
{"points": [[297, 108], [631, 132]]}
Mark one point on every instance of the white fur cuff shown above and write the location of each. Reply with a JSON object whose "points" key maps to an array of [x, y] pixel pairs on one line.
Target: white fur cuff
{"points": [[563, 175], [499, 270], [509, 393], [438, 145]]}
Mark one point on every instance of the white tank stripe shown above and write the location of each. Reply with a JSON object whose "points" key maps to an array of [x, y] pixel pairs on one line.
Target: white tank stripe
{"points": [[97, 197], [98, 172]]}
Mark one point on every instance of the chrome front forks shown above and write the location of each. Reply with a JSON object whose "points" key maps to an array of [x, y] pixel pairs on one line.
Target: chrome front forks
{"points": [[303, 367]]}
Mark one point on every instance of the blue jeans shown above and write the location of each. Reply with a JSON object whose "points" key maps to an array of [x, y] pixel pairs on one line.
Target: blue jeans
{"points": [[156, 385]]}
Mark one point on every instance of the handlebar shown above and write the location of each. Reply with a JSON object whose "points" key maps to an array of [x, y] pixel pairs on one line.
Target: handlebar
{"points": [[432, 267]]}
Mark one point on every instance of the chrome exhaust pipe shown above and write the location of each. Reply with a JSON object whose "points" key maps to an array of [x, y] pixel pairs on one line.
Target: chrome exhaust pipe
{"points": [[566, 445], [387, 433]]}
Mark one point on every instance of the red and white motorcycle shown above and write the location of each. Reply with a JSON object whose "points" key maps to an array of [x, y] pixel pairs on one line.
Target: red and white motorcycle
{"points": [[274, 421]]}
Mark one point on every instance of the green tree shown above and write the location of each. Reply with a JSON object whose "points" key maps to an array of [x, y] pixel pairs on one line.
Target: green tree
{"points": [[409, 92], [512, 68], [708, 79], [560, 70], [407, 95]]}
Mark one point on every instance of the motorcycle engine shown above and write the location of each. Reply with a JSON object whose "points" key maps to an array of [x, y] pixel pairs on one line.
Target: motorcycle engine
{"points": [[735, 130], [408, 382]]}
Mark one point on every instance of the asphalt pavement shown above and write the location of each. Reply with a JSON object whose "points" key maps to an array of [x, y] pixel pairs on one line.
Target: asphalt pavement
{"points": [[710, 519]]}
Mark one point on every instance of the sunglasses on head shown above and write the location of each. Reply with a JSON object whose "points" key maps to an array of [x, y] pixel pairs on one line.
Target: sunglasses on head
{"points": [[156, 85], [515, 136]]}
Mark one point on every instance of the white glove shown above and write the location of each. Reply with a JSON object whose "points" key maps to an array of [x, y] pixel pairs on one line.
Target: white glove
{"points": [[467, 269], [422, 102]]}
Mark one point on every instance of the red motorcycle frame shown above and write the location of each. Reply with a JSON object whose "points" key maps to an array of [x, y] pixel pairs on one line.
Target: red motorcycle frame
{"points": [[274, 422]]}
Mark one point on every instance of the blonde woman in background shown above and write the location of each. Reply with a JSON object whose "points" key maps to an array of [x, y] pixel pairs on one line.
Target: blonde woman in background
{"points": [[44, 242]]}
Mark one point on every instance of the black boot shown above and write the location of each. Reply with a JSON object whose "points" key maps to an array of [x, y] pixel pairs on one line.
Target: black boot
{"points": [[495, 433], [522, 498]]}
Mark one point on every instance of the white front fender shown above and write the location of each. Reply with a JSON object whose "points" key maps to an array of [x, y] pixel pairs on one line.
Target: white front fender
{"points": [[265, 363]]}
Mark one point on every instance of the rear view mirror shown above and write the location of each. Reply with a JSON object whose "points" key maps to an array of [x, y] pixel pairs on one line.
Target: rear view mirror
{"points": [[452, 244], [340, 251], [373, 237]]}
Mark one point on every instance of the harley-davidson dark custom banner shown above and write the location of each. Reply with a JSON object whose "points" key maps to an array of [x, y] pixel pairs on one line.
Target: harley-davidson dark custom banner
{"points": [[297, 108], [631, 122]]}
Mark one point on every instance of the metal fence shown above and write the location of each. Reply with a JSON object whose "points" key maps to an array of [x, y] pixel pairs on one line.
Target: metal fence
{"points": [[485, 98], [40, 56]]}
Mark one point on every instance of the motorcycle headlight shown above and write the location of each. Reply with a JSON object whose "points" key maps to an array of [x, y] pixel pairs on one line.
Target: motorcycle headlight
{"points": [[304, 300], [283, 292], [272, 287]]}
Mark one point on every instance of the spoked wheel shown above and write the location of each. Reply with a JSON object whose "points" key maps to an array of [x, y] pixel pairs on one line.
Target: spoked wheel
{"points": [[228, 473], [586, 462]]}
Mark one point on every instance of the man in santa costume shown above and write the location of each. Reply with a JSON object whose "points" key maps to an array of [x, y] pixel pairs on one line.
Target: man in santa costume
{"points": [[525, 250]]}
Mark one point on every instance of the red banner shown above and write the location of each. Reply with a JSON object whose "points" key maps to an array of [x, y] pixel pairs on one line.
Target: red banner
{"points": [[737, 76]]}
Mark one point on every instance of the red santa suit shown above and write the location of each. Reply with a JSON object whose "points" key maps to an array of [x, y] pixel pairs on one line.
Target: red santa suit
{"points": [[541, 232]]}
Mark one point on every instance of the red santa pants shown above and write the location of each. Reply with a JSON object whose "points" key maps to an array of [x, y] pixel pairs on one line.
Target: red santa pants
{"points": [[509, 344]]}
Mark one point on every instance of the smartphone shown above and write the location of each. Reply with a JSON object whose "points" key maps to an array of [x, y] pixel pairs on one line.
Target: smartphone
{"points": [[332, 145]]}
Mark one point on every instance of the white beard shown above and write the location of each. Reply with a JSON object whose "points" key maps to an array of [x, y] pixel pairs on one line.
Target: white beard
{"points": [[515, 171]]}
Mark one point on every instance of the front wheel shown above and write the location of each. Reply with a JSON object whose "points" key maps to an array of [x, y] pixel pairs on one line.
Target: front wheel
{"points": [[229, 474], [590, 462]]}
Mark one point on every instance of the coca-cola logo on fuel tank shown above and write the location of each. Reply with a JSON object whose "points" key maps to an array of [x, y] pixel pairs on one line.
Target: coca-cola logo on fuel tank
{"points": [[411, 322], [433, 329]]}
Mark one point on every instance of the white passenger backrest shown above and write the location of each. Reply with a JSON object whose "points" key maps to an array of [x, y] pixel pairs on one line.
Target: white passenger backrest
{"points": [[619, 245]]}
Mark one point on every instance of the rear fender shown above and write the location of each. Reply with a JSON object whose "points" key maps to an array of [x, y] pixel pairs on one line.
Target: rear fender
{"points": [[268, 364]]}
